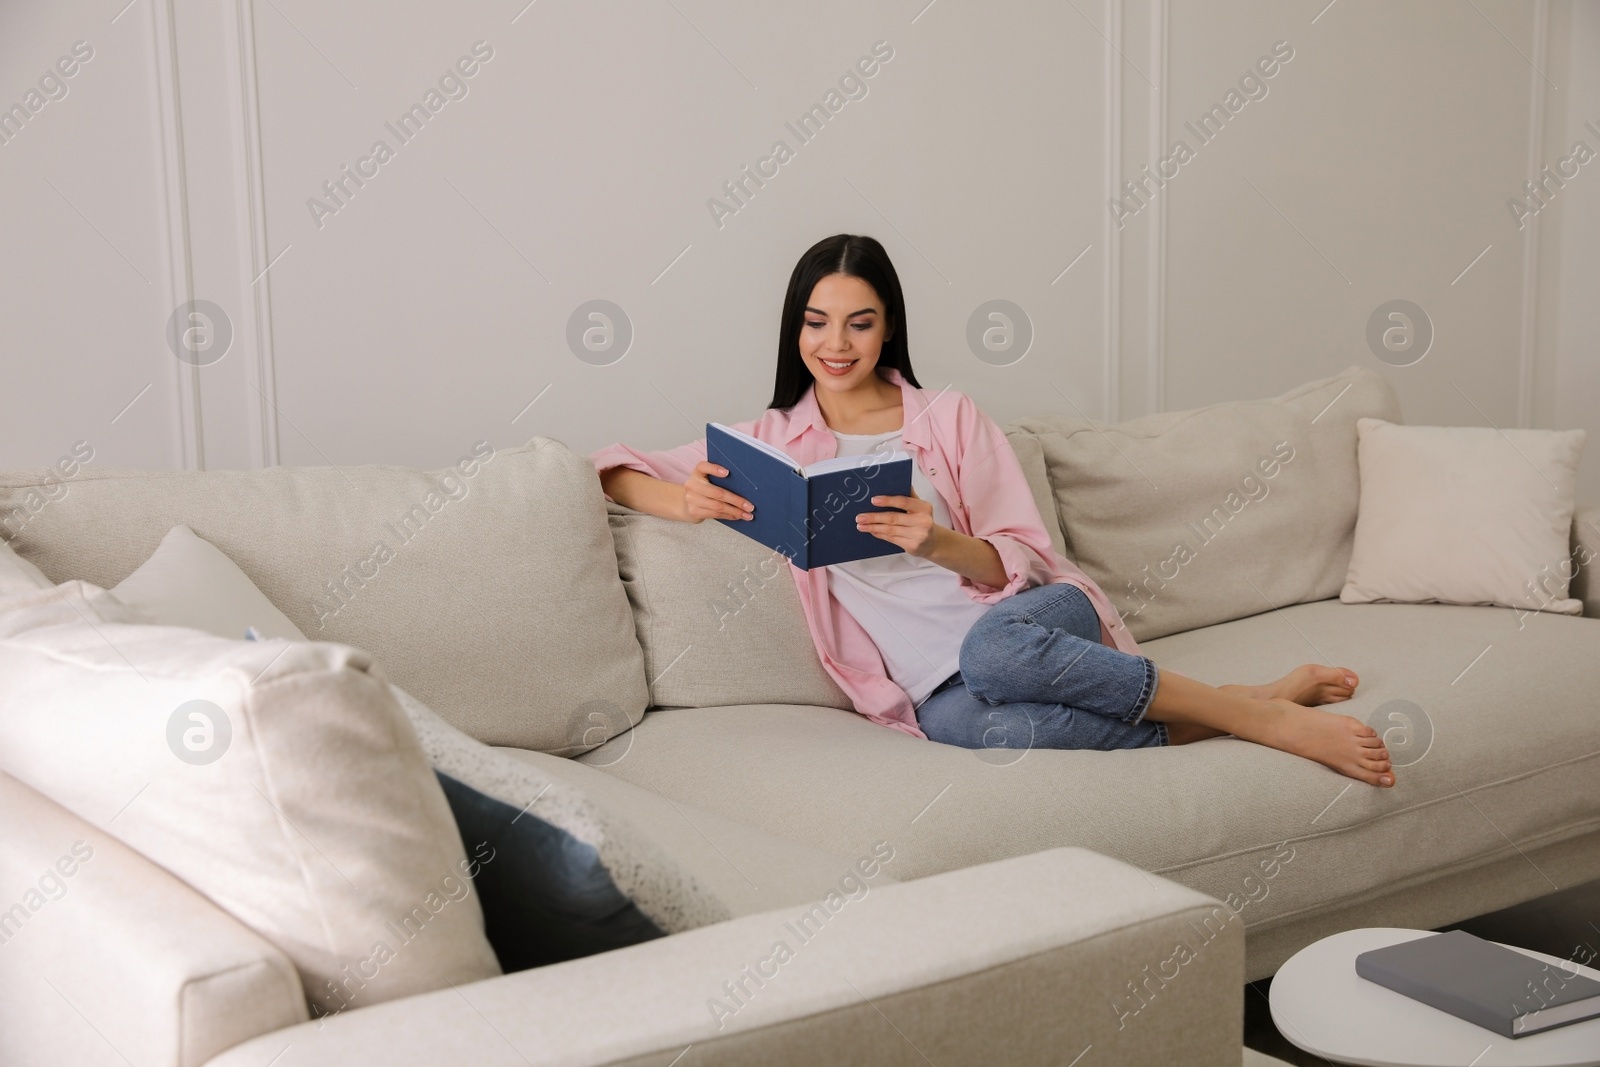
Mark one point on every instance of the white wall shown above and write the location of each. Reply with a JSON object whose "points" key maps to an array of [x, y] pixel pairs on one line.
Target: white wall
{"points": [[84, 286], [433, 306], [1571, 306]]}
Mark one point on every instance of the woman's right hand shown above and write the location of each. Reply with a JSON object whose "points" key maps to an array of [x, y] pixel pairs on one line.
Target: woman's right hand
{"points": [[702, 500]]}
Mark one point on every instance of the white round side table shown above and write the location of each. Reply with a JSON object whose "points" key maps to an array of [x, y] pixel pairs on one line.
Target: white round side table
{"points": [[1321, 1005]]}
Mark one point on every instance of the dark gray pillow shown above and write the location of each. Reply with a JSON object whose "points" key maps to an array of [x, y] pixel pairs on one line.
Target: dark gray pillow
{"points": [[557, 875], [546, 896]]}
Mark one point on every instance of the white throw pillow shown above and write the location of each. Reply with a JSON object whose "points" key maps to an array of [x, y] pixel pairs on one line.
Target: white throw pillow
{"points": [[17, 575], [1465, 515], [189, 582], [280, 779]]}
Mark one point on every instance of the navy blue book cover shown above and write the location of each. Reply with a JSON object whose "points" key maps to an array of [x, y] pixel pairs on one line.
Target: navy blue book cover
{"points": [[811, 520]]}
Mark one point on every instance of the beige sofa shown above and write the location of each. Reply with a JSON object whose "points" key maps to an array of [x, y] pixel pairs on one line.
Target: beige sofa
{"points": [[666, 670]]}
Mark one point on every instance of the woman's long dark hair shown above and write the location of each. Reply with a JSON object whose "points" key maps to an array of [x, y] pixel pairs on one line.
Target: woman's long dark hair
{"points": [[858, 257]]}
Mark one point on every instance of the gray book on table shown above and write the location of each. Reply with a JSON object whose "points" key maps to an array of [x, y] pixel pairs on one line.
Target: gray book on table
{"points": [[1484, 983]]}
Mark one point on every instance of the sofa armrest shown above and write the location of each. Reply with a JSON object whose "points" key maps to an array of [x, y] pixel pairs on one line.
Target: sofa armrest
{"points": [[1028, 960], [106, 958], [1586, 553]]}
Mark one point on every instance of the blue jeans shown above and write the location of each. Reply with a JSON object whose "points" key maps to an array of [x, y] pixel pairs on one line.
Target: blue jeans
{"points": [[1035, 675]]}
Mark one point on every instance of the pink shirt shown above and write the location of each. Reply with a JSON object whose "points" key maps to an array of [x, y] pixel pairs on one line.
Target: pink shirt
{"points": [[970, 463]]}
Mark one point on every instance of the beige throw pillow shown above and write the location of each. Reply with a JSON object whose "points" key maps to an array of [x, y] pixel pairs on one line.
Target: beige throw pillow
{"points": [[1465, 515]]}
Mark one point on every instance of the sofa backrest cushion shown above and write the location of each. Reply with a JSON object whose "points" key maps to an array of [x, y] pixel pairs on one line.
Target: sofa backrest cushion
{"points": [[280, 779], [718, 616], [488, 589], [1189, 518], [1030, 455]]}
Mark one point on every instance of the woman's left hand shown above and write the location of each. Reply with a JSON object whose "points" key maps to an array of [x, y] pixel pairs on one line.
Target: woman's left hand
{"points": [[915, 531]]}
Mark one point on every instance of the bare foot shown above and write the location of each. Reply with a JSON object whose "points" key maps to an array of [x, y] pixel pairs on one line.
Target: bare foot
{"points": [[1309, 684], [1340, 742]]}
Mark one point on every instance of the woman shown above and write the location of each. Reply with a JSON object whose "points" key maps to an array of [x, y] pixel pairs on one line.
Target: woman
{"points": [[978, 634]]}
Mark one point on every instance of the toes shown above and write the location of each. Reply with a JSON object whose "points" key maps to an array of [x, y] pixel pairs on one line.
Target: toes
{"points": [[1381, 778]]}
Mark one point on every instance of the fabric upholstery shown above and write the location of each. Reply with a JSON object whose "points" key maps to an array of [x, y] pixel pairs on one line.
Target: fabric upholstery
{"points": [[717, 615], [471, 588], [1465, 515], [1514, 762], [1432, 900], [1585, 554], [748, 869], [112, 957], [948, 969], [1188, 518], [318, 824]]}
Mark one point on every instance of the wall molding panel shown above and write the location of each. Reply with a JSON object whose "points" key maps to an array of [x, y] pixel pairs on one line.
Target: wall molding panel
{"points": [[262, 399], [1156, 323], [178, 275], [1111, 319]]}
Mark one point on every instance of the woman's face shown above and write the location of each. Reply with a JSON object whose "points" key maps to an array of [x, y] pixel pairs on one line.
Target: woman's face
{"points": [[842, 332]]}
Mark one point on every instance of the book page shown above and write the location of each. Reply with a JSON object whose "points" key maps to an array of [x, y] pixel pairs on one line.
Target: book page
{"points": [[772, 450], [844, 463]]}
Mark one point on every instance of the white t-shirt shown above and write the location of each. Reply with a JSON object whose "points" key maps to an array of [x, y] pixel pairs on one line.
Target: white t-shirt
{"points": [[914, 610]]}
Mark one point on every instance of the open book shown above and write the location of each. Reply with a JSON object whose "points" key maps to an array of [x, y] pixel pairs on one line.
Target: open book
{"points": [[807, 513]]}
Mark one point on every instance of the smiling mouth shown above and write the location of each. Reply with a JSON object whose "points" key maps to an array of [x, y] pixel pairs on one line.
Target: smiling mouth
{"points": [[837, 366]]}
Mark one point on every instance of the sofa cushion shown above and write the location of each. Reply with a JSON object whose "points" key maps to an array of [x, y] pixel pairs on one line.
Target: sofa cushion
{"points": [[718, 616], [748, 869], [473, 584], [1030, 456], [1188, 518], [1504, 754], [280, 779], [1465, 515], [1585, 551]]}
